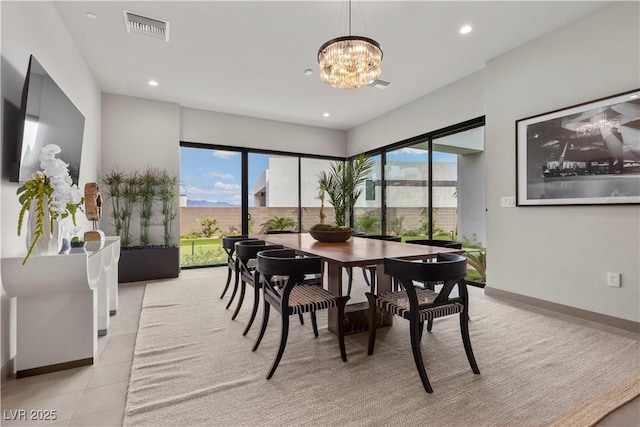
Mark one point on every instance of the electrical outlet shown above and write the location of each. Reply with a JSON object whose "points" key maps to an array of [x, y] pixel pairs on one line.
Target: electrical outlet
{"points": [[613, 279], [508, 202]]}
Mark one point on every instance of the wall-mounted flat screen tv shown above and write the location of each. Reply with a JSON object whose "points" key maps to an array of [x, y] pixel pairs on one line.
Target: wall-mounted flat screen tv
{"points": [[47, 116]]}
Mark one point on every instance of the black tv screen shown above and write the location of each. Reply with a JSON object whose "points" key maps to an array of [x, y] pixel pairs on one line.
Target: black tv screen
{"points": [[48, 117]]}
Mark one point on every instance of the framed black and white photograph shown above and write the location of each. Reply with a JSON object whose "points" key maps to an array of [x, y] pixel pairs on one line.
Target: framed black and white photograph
{"points": [[588, 154]]}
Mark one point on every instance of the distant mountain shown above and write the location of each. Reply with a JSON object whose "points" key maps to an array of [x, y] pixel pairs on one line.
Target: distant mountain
{"points": [[205, 203]]}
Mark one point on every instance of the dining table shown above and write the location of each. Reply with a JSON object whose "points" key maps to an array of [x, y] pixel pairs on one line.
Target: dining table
{"points": [[355, 252]]}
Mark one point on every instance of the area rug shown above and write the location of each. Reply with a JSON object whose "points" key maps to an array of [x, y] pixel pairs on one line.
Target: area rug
{"points": [[192, 366]]}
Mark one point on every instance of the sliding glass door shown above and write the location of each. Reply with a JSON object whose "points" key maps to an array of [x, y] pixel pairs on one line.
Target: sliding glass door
{"points": [[407, 191], [368, 210], [210, 203], [273, 193], [310, 202]]}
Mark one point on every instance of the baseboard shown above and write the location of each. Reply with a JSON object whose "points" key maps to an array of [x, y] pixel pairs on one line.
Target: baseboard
{"points": [[592, 316], [6, 371], [53, 368]]}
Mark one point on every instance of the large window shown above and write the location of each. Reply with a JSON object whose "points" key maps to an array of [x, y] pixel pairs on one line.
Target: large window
{"points": [[368, 209], [230, 191], [407, 190], [309, 196], [429, 187], [273, 193], [210, 203]]}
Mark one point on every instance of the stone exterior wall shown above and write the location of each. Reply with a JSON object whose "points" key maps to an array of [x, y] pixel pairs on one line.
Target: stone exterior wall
{"points": [[229, 221]]}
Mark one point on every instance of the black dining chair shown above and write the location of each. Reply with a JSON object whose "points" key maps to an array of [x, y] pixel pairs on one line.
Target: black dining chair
{"points": [[229, 246], [286, 289], [418, 304], [246, 254]]}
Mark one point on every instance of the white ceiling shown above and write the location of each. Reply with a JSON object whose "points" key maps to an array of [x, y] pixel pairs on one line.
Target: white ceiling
{"points": [[249, 57]]}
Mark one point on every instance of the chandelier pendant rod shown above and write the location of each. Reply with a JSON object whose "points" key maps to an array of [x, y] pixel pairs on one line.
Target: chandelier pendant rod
{"points": [[349, 17]]}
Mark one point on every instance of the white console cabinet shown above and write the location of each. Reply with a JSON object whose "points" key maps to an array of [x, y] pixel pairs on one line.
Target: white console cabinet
{"points": [[108, 284], [56, 326]]}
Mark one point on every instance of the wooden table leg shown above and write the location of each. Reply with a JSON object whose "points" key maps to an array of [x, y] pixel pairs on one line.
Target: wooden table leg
{"points": [[356, 313], [334, 285], [383, 281]]}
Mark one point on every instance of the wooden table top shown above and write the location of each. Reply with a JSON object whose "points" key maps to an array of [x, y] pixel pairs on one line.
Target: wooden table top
{"points": [[356, 251]]}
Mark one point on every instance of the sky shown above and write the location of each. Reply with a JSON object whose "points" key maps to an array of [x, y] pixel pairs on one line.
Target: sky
{"points": [[216, 176]]}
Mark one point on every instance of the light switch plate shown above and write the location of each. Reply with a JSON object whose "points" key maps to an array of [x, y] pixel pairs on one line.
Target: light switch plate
{"points": [[613, 279], [508, 202]]}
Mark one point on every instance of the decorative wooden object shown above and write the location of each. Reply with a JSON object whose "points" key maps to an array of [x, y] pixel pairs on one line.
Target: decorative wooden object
{"points": [[92, 201]]}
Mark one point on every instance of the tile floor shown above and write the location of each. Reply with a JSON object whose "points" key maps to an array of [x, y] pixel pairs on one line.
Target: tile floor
{"points": [[96, 395]]}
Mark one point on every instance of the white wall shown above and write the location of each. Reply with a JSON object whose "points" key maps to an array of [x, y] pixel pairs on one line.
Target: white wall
{"points": [[209, 127], [472, 192], [35, 28], [562, 254], [557, 254], [139, 133], [460, 101]]}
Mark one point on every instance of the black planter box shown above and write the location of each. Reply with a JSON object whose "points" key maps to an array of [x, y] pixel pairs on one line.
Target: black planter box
{"points": [[138, 264]]}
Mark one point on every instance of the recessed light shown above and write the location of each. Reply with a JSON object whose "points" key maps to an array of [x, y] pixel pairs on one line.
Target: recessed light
{"points": [[633, 96], [91, 15], [308, 72], [153, 83], [465, 29], [326, 115]]}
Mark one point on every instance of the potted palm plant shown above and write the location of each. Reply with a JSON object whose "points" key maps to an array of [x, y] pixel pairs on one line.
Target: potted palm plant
{"points": [[342, 184]]}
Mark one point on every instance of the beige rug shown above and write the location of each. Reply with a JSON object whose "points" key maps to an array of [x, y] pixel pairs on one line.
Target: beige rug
{"points": [[192, 366]]}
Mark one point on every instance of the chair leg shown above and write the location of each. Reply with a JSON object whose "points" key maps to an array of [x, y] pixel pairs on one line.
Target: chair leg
{"points": [[301, 318], [314, 323], [417, 354], [464, 329], [366, 278], [235, 289], [429, 324], [342, 301], [229, 271], [283, 343], [372, 282], [421, 329], [265, 321], [243, 287], [372, 322], [254, 310]]}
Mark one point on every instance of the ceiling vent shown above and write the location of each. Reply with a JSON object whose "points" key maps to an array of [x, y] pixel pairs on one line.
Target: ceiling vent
{"points": [[148, 26], [380, 84]]}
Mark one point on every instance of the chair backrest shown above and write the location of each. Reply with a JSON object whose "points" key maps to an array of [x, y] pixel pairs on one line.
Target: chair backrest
{"points": [[451, 244], [229, 242], [382, 237], [283, 263], [248, 249], [449, 269]]}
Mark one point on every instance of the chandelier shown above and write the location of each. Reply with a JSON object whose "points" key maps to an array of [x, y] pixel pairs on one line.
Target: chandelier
{"points": [[350, 62]]}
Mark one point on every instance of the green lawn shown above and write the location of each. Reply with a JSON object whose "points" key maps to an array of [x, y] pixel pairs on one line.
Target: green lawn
{"points": [[205, 251]]}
